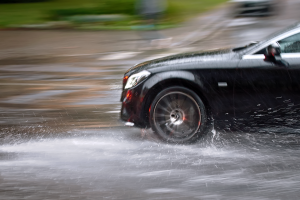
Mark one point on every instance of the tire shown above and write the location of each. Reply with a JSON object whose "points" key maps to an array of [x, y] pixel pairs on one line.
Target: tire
{"points": [[178, 115]]}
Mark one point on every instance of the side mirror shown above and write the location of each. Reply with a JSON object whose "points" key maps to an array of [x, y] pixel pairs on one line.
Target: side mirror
{"points": [[273, 54], [273, 50]]}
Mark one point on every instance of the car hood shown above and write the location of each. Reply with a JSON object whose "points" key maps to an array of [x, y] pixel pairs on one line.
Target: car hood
{"points": [[185, 58]]}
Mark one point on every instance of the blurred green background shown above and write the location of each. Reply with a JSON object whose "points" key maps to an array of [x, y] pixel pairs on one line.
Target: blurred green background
{"points": [[13, 14]]}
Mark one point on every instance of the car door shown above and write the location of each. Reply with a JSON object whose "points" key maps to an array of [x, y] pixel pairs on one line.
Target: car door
{"points": [[266, 92], [260, 87], [290, 48], [262, 91]]}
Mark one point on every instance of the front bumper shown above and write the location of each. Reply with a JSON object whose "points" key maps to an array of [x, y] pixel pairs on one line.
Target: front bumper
{"points": [[133, 107]]}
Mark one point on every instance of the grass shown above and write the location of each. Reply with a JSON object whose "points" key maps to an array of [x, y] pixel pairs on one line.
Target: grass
{"points": [[35, 13]]}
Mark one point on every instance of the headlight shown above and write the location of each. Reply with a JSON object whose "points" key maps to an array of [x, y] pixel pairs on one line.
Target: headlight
{"points": [[134, 79]]}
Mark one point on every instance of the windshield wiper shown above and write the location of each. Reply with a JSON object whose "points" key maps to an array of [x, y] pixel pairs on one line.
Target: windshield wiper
{"points": [[246, 46]]}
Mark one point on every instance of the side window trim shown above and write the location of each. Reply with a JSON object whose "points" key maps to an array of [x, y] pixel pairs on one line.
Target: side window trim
{"points": [[290, 55], [261, 56], [253, 57]]}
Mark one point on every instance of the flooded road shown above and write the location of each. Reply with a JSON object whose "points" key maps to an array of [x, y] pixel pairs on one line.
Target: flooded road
{"points": [[118, 163], [61, 138]]}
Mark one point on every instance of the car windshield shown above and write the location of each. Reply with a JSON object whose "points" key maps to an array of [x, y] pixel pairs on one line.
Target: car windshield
{"points": [[252, 45]]}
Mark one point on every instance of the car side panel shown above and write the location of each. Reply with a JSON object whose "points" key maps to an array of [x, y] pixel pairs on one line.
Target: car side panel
{"points": [[214, 80], [263, 93]]}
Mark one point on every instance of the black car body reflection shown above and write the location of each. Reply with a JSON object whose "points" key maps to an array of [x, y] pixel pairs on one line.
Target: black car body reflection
{"points": [[180, 96]]}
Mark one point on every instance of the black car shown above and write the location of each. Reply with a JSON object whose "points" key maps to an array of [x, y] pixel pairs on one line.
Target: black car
{"points": [[180, 97]]}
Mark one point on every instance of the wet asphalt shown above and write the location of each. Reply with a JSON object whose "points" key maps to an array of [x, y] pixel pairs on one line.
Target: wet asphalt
{"points": [[61, 137]]}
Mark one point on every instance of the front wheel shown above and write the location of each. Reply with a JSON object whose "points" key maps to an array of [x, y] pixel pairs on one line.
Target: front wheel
{"points": [[178, 115]]}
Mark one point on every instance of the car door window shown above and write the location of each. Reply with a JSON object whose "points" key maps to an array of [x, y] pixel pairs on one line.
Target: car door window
{"points": [[290, 44], [290, 47]]}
